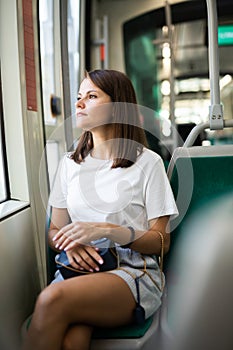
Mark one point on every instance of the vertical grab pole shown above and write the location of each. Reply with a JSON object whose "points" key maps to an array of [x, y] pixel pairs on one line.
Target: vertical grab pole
{"points": [[105, 34], [215, 110], [168, 18], [101, 29]]}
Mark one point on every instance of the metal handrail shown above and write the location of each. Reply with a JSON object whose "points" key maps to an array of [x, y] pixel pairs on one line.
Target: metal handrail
{"points": [[216, 121], [201, 127], [215, 109]]}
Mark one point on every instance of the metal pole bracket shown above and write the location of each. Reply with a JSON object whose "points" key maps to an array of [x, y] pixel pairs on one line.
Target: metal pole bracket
{"points": [[216, 117]]}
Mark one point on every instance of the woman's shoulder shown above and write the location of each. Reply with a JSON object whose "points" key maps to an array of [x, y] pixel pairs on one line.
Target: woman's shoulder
{"points": [[66, 157], [148, 155], [67, 160]]}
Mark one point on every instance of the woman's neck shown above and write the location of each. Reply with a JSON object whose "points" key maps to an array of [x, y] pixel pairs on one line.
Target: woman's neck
{"points": [[102, 141]]}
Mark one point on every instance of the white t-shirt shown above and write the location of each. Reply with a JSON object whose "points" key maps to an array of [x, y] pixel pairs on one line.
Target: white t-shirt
{"points": [[92, 191]]}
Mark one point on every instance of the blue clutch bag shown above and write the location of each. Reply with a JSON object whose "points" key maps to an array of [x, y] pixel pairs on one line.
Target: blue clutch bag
{"points": [[109, 256]]}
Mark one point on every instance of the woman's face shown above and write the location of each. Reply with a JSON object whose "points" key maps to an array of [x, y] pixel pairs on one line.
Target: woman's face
{"points": [[93, 106]]}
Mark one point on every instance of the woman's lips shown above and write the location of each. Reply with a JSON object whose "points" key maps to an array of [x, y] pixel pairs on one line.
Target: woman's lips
{"points": [[80, 114]]}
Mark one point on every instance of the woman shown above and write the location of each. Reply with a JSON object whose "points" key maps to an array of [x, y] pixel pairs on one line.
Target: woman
{"points": [[111, 187]]}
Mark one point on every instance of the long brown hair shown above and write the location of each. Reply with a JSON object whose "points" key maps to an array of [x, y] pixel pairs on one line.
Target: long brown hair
{"points": [[127, 133]]}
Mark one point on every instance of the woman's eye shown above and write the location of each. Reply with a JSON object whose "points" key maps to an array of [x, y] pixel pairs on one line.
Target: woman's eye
{"points": [[78, 98], [92, 96]]}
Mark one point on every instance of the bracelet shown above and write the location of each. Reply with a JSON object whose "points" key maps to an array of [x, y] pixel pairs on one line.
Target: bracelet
{"points": [[132, 237]]}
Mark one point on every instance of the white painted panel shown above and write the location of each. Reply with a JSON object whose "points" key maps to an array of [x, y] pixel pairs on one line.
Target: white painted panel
{"points": [[19, 276]]}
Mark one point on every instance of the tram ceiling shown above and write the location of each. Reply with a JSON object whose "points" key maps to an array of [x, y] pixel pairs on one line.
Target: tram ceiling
{"points": [[190, 52], [190, 39]]}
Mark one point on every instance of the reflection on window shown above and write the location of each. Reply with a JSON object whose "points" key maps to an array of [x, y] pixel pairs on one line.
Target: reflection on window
{"points": [[3, 190], [51, 19], [2, 178], [47, 56], [73, 48]]}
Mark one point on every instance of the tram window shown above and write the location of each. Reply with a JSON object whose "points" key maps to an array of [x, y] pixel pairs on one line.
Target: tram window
{"points": [[60, 129], [47, 57], [3, 181], [73, 50], [3, 193]]}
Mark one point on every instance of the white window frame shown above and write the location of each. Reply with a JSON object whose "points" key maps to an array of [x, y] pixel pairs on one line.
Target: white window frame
{"points": [[12, 110]]}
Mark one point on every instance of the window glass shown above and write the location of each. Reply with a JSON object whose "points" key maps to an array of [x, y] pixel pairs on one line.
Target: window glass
{"points": [[73, 49], [47, 57], [3, 190], [51, 20], [3, 193]]}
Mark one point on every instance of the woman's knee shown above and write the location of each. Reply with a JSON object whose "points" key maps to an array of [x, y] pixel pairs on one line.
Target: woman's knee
{"points": [[49, 299]]}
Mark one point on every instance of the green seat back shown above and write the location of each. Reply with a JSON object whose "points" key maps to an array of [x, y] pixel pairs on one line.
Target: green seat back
{"points": [[212, 177]]}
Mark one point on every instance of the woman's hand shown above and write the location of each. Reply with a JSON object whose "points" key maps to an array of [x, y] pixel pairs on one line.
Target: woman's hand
{"points": [[84, 258], [76, 234]]}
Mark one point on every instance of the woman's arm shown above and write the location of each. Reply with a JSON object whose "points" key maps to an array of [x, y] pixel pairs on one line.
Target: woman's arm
{"points": [[59, 219], [150, 242], [80, 256], [146, 242]]}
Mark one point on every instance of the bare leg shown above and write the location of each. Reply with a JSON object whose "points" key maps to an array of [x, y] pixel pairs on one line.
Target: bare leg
{"points": [[77, 335], [84, 300]]}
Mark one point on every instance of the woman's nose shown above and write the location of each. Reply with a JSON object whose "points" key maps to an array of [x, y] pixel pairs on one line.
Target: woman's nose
{"points": [[80, 103]]}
